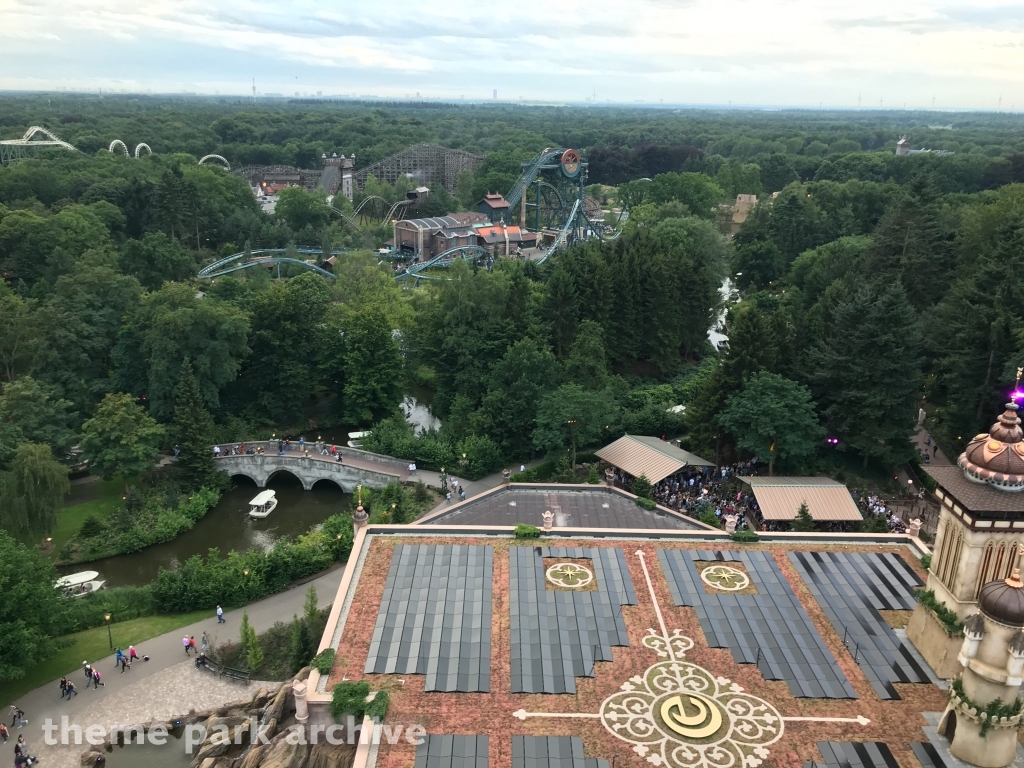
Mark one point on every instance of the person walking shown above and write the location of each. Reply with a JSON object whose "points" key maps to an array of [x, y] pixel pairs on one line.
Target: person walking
{"points": [[124, 664], [132, 655], [206, 643], [96, 679], [19, 720], [220, 615], [71, 690], [4, 733], [448, 497], [118, 655], [185, 642], [192, 642], [63, 687], [88, 674]]}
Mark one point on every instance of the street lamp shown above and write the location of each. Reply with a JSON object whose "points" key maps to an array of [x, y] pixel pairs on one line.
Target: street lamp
{"points": [[110, 638]]}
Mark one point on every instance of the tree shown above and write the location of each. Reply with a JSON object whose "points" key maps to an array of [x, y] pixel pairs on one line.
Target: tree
{"points": [[251, 643], [642, 487], [373, 365], [561, 309], [866, 373], [300, 645], [301, 209], [37, 414], [310, 608], [120, 438], [773, 418], [32, 493], [18, 333], [31, 610], [515, 386], [192, 431], [586, 364], [803, 522], [155, 260], [777, 171], [571, 416]]}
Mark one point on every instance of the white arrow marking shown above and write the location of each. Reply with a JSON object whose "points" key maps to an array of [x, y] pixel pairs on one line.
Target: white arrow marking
{"points": [[657, 608], [860, 719], [522, 714]]}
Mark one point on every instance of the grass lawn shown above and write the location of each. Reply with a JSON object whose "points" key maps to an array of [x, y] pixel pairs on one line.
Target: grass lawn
{"points": [[92, 644], [104, 500]]}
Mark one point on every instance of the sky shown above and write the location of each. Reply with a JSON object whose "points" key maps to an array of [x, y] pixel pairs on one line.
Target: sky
{"points": [[872, 53]]}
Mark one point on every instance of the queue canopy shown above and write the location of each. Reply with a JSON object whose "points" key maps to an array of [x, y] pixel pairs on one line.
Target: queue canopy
{"points": [[780, 498], [651, 457]]}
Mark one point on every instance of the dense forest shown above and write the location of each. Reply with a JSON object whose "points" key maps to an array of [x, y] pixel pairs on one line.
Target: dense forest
{"points": [[864, 285]]}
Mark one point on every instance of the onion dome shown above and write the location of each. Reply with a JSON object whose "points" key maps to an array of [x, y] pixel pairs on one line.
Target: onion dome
{"points": [[997, 457], [1003, 601]]}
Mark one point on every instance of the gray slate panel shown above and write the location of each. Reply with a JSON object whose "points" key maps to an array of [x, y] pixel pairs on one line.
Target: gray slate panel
{"points": [[854, 754], [435, 617], [851, 587], [596, 507], [551, 752], [558, 635], [452, 752], [928, 755], [770, 629]]}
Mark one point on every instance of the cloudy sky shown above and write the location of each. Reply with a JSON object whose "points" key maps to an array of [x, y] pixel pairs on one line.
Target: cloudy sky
{"points": [[747, 52]]}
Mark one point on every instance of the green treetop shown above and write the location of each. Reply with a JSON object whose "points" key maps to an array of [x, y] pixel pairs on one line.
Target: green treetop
{"points": [[120, 438], [192, 431]]}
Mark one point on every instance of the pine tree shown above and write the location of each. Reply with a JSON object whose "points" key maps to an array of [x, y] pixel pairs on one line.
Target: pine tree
{"points": [[251, 643], [803, 522], [193, 433], [300, 646], [309, 608], [561, 309], [642, 487], [587, 365], [866, 373]]}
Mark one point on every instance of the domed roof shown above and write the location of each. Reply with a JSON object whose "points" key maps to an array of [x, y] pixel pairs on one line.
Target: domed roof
{"points": [[997, 457], [1003, 600]]}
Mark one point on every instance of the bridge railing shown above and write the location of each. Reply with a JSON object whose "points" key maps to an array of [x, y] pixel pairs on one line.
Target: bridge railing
{"points": [[295, 451]]}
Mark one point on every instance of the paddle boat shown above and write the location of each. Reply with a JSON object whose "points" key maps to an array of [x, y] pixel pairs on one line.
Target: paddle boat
{"points": [[78, 584], [263, 504], [355, 439]]}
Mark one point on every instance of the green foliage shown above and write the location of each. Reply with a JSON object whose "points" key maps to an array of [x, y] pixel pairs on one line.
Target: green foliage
{"points": [[773, 418], [37, 415], [524, 531], [571, 416], [323, 661], [31, 610], [926, 562], [642, 487], [135, 527], [120, 439], [708, 517], [744, 536], [377, 708], [874, 524], [309, 607], [349, 698], [593, 477], [948, 618], [300, 647], [251, 643], [642, 501], [32, 492], [992, 711], [192, 431], [803, 522]]}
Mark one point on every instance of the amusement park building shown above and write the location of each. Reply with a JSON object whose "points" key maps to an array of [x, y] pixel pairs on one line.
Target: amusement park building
{"points": [[426, 238], [495, 207]]}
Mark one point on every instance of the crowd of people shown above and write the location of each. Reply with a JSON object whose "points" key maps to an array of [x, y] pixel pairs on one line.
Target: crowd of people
{"points": [[872, 505], [695, 490]]}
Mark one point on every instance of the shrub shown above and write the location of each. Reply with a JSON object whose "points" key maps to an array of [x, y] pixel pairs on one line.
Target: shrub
{"points": [[122, 603], [482, 456], [645, 503], [744, 535], [349, 698], [710, 518], [378, 707], [642, 487], [91, 527], [323, 661], [524, 531], [593, 477], [926, 562], [875, 524], [950, 622]]}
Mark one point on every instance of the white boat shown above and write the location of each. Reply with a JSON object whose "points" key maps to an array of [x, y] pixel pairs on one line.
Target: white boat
{"points": [[263, 504], [78, 584], [355, 438]]}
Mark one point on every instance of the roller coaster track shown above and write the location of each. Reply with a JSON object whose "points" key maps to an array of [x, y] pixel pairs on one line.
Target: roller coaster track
{"points": [[12, 150], [204, 158], [530, 173], [365, 201], [124, 148], [416, 272], [348, 220], [226, 265]]}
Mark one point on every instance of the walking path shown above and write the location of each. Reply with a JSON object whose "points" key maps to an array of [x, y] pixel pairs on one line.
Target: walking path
{"points": [[473, 487], [164, 683]]}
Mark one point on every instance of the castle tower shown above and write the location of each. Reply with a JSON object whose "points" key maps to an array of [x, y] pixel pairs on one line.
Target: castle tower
{"points": [[983, 713]]}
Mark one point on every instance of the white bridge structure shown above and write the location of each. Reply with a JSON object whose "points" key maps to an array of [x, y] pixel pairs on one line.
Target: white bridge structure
{"points": [[372, 470], [13, 150]]}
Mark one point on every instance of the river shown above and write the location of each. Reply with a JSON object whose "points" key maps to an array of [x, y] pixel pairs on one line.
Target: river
{"points": [[228, 527]]}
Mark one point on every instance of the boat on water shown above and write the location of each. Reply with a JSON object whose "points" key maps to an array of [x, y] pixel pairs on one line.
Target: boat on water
{"points": [[263, 504], [78, 584], [355, 439]]}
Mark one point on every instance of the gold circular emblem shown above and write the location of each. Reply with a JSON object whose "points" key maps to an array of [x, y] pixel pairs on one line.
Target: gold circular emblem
{"points": [[704, 723]]}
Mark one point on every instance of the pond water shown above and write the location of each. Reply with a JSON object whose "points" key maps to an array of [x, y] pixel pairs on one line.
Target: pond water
{"points": [[228, 527], [416, 407]]}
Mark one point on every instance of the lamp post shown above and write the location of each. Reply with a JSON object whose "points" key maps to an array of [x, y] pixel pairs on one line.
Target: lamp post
{"points": [[110, 637]]}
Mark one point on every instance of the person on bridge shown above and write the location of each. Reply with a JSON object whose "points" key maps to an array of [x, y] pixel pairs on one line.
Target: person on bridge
{"points": [[216, 451], [338, 457]]}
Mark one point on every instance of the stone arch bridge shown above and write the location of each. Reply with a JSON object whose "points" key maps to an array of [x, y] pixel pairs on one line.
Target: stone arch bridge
{"points": [[356, 467]]}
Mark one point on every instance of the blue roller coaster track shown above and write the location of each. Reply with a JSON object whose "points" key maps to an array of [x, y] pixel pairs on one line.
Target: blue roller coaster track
{"points": [[263, 257], [418, 271]]}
